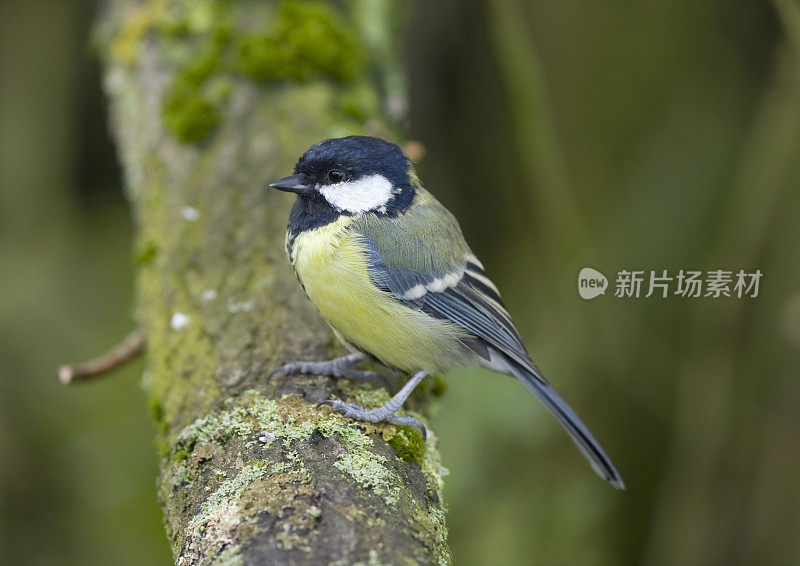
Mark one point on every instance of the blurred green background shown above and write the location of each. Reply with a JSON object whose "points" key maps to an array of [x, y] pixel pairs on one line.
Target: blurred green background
{"points": [[562, 134]]}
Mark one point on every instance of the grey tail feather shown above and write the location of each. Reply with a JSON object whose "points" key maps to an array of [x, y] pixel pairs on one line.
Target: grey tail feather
{"points": [[577, 431]]}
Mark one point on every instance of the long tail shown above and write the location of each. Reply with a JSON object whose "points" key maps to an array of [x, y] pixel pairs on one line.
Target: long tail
{"points": [[577, 431]]}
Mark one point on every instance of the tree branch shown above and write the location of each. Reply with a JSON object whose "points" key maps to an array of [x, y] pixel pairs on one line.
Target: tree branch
{"points": [[211, 100], [130, 347]]}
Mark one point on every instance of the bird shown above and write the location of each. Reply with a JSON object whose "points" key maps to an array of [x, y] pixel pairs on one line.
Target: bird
{"points": [[387, 267]]}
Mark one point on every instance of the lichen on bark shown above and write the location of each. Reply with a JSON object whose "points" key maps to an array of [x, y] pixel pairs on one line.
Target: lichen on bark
{"points": [[252, 471]]}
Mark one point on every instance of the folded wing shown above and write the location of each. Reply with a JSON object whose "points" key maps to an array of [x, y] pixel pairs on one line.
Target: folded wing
{"points": [[432, 269]]}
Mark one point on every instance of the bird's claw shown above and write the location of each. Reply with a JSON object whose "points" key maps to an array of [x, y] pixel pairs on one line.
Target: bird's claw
{"points": [[381, 414], [340, 367], [398, 420], [299, 367]]}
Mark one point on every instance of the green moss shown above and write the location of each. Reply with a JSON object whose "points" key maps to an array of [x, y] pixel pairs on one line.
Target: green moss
{"points": [[433, 386], [172, 23], [265, 57], [157, 410], [409, 444], [173, 19], [201, 69], [180, 455], [189, 111], [360, 102], [178, 18], [124, 46], [186, 112], [309, 39], [162, 447], [146, 253], [223, 34], [439, 386]]}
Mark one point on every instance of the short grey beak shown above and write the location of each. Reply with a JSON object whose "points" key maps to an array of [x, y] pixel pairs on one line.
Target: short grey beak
{"points": [[291, 184]]}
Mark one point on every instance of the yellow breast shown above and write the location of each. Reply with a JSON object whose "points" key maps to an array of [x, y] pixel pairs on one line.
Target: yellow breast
{"points": [[331, 263]]}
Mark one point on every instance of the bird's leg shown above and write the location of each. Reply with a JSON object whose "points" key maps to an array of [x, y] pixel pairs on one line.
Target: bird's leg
{"points": [[386, 413], [337, 367]]}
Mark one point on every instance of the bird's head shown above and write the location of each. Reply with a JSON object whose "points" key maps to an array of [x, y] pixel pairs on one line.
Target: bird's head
{"points": [[354, 174]]}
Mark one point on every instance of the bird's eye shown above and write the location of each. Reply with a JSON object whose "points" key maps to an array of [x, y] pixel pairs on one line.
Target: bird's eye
{"points": [[335, 176]]}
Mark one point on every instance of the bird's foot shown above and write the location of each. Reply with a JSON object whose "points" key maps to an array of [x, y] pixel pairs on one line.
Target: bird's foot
{"points": [[379, 415], [338, 367], [385, 413]]}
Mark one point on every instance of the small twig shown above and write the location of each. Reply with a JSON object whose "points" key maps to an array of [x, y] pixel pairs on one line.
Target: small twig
{"points": [[129, 348]]}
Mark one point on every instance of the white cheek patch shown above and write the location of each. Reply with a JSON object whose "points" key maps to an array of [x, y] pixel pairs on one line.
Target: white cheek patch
{"points": [[368, 193]]}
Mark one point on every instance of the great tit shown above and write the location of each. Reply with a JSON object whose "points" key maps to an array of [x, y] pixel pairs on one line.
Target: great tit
{"points": [[388, 269]]}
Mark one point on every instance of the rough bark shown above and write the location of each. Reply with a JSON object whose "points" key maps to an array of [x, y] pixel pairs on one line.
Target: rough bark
{"points": [[251, 470]]}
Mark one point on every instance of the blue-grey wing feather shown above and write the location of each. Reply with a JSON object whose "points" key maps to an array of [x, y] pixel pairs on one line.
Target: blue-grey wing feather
{"points": [[471, 304]]}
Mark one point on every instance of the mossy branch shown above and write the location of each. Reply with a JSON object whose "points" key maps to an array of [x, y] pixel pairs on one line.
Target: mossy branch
{"points": [[211, 100]]}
